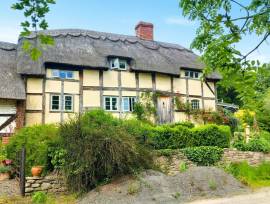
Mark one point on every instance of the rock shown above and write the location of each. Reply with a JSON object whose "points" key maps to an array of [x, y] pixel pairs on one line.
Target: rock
{"points": [[30, 181], [27, 185], [46, 186], [35, 185], [28, 190]]}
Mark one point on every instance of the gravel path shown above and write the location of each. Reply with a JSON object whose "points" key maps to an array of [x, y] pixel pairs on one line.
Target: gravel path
{"points": [[9, 188], [261, 197]]}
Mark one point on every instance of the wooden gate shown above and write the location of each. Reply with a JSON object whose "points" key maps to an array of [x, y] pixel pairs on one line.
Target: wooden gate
{"points": [[164, 109]]}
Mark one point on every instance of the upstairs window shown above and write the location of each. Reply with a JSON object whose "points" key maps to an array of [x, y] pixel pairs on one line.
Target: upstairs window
{"points": [[195, 104], [117, 63], [62, 74], [128, 104], [192, 74]]}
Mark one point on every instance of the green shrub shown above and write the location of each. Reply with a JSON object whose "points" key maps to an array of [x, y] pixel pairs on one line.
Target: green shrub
{"points": [[211, 135], [255, 145], [204, 155], [253, 176], [36, 139], [39, 198], [99, 147], [165, 137], [258, 145], [179, 136]]}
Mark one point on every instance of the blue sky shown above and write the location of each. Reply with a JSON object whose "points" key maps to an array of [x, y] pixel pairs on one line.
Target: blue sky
{"points": [[120, 16]]}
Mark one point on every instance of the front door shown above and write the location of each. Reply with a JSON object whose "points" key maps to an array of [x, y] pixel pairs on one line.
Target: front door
{"points": [[163, 109]]}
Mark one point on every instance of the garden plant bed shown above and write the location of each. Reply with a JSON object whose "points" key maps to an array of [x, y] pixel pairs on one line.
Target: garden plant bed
{"points": [[156, 187]]}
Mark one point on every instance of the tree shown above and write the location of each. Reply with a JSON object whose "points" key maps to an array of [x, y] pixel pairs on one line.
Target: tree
{"points": [[34, 12], [220, 30]]}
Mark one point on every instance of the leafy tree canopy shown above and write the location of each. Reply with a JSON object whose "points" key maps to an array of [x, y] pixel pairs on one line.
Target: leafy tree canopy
{"points": [[220, 30]]}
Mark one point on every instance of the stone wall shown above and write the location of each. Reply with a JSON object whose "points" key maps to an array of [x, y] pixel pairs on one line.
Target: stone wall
{"points": [[253, 158], [52, 184], [170, 164]]}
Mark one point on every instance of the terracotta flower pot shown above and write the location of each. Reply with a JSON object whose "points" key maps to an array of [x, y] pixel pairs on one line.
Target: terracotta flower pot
{"points": [[36, 170]]}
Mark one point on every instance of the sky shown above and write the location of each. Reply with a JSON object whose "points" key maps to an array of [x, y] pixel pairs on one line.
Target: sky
{"points": [[121, 16]]}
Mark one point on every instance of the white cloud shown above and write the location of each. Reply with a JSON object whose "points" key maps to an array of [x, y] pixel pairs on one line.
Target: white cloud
{"points": [[179, 21]]}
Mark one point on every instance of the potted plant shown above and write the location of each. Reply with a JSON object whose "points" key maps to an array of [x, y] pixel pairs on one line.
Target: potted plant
{"points": [[4, 172], [36, 170]]}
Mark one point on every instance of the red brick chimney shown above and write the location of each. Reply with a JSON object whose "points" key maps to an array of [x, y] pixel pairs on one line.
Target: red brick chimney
{"points": [[144, 30]]}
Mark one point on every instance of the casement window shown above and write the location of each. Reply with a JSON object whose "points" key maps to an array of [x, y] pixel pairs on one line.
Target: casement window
{"points": [[62, 74], [195, 104], [67, 103], [192, 74], [128, 104], [111, 103], [55, 102], [116, 63]]}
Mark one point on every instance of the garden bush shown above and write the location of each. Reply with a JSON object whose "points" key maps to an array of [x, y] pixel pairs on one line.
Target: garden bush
{"points": [[211, 135], [99, 147], [184, 124], [256, 144], [204, 155], [37, 140], [177, 137]]}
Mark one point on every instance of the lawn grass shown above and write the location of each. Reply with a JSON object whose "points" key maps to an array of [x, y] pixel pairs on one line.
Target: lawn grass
{"points": [[52, 199], [252, 176]]}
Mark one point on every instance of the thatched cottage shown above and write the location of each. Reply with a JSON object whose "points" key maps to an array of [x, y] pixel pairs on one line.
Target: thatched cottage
{"points": [[89, 69]]}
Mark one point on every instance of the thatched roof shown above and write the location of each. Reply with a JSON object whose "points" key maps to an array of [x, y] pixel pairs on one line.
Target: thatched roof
{"points": [[11, 83], [91, 49]]}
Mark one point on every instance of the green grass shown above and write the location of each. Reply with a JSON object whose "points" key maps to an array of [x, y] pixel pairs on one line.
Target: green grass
{"points": [[252, 176]]}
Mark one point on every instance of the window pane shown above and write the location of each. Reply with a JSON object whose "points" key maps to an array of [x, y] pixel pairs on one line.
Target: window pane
{"points": [[63, 74], [132, 102], [114, 63], [68, 103], [69, 74], [107, 103], [55, 73], [186, 73], [122, 64], [195, 104], [114, 103], [191, 74], [125, 103], [55, 103], [196, 75]]}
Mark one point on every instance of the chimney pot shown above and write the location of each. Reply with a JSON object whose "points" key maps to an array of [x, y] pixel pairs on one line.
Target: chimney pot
{"points": [[144, 30]]}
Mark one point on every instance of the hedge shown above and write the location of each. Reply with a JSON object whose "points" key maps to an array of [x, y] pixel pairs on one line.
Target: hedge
{"points": [[204, 155], [178, 137]]}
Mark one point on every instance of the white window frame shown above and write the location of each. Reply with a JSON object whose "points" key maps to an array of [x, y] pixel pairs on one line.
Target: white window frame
{"points": [[72, 103], [59, 75], [111, 105], [194, 73], [51, 103], [130, 106], [195, 104], [116, 61]]}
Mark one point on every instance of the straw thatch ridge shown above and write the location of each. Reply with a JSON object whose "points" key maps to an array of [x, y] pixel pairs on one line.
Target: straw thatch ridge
{"points": [[92, 49], [11, 83]]}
